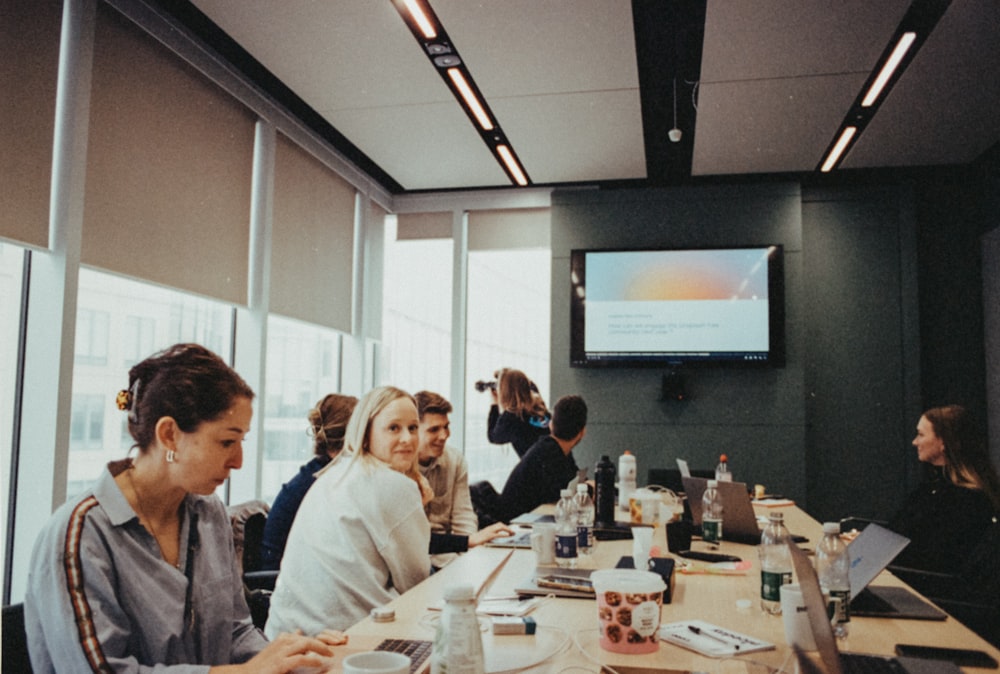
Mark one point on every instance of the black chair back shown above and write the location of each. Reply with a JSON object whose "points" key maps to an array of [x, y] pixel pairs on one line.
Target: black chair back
{"points": [[14, 655]]}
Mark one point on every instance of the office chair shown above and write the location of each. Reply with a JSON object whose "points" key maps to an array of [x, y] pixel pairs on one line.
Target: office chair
{"points": [[14, 656], [248, 520]]}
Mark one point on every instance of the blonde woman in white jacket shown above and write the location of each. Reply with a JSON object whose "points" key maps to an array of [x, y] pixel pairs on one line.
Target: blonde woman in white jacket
{"points": [[360, 537]]}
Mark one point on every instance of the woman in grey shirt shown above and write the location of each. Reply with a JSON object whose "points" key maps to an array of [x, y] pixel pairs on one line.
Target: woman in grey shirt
{"points": [[139, 572]]}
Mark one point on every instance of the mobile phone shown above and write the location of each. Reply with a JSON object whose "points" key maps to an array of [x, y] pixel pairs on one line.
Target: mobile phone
{"points": [[565, 583], [963, 657]]}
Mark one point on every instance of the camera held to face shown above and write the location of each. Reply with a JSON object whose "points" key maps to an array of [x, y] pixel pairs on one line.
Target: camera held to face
{"points": [[482, 385]]}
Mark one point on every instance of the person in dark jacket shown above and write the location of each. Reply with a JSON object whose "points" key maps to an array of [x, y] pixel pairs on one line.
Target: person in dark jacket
{"points": [[518, 414]]}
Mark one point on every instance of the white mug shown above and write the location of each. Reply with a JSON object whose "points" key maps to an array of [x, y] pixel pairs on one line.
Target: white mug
{"points": [[376, 662], [543, 542], [798, 631]]}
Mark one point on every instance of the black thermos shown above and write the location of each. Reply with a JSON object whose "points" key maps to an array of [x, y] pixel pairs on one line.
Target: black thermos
{"points": [[604, 491]]}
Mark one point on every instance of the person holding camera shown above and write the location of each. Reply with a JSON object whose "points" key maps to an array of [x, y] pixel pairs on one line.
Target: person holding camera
{"points": [[518, 414]]}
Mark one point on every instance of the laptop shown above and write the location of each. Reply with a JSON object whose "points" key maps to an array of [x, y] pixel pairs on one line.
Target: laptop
{"points": [[739, 519], [832, 661], [873, 550]]}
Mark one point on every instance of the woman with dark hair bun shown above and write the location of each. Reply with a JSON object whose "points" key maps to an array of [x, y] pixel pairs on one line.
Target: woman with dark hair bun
{"points": [[327, 423], [948, 513], [139, 572]]}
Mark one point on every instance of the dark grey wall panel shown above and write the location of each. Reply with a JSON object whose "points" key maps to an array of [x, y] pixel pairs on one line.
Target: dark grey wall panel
{"points": [[757, 417], [860, 407]]}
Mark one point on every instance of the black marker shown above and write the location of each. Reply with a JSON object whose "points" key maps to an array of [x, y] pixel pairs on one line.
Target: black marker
{"points": [[701, 632]]}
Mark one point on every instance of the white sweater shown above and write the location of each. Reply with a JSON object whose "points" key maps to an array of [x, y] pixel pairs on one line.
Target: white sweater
{"points": [[360, 538]]}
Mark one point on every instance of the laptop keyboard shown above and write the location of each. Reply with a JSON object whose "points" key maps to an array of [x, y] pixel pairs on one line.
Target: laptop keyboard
{"points": [[854, 663], [416, 649]]}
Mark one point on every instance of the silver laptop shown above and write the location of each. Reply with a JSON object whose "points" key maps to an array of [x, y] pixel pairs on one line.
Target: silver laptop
{"points": [[738, 516], [873, 550], [831, 660]]}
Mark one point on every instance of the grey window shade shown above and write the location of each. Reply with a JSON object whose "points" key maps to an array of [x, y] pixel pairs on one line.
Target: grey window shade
{"points": [[423, 226], [29, 64], [168, 168], [509, 228], [312, 240]]}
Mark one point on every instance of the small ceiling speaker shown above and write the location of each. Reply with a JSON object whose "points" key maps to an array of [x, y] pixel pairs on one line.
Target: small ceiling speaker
{"points": [[447, 61]]}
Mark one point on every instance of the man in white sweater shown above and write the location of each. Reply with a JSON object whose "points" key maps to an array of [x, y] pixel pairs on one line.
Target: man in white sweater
{"points": [[454, 525]]}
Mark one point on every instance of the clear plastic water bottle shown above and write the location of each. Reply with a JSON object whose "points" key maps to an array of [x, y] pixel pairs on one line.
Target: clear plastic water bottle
{"points": [[775, 563], [458, 643], [604, 490], [626, 479], [566, 534], [722, 473], [584, 520], [711, 513], [833, 566]]}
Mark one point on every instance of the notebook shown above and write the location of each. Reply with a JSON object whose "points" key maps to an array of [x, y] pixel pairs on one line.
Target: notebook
{"points": [[739, 519], [873, 550], [832, 661]]}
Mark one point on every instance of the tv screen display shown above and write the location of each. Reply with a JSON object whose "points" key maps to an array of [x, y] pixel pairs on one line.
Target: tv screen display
{"points": [[671, 307]]}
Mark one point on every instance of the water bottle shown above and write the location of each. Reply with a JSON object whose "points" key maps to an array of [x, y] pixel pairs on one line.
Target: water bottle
{"points": [[604, 491], [833, 566], [458, 643], [566, 534], [722, 473], [584, 520], [626, 479], [711, 513], [775, 563]]}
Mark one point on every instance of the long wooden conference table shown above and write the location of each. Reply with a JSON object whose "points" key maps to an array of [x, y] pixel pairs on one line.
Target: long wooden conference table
{"points": [[567, 633]]}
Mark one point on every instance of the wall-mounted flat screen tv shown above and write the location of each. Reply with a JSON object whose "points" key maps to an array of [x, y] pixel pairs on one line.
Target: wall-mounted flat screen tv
{"points": [[721, 306]]}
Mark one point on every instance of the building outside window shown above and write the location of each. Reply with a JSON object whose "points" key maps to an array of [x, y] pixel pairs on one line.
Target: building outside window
{"points": [[11, 272], [303, 365]]}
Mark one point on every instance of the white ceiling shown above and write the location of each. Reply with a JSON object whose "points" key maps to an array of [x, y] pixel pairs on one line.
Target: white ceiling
{"points": [[561, 76]]}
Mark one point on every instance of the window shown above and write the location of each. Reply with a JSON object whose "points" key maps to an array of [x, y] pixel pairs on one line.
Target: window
{"points": [[11, 270], [86, 427], [303, 365], [120, 322], [416, 323], [507, 326]]}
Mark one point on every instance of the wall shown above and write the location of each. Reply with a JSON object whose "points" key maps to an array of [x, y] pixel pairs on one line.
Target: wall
{"points": [[824, 428]]}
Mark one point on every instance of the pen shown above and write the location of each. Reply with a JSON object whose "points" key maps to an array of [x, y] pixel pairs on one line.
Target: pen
{"points": [[701, 632]]}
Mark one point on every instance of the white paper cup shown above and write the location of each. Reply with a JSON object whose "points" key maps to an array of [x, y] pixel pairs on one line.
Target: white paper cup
{"points": [[796, 619], [628, 609], [543, 543], [376, 662]]}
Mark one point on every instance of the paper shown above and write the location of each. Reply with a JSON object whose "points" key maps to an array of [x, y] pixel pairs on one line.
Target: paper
{"points": [[711, 640]]}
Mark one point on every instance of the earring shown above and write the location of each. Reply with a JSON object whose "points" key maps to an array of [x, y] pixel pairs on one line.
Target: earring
{"points": [[171, 456]]}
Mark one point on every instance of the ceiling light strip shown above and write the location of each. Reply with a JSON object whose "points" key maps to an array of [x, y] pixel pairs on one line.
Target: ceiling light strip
{"points": [[420, 18], [905, 42], [913, 30], [470, 98], [433, 39]]}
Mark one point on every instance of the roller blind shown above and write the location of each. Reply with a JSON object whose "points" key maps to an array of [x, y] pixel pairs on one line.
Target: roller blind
{"points": [[509, 228], [312, 240], [423, 226], [29, 64], [168, 168]]}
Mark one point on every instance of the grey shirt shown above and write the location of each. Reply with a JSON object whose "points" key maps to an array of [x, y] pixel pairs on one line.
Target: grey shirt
{"points": [[101, 598]]}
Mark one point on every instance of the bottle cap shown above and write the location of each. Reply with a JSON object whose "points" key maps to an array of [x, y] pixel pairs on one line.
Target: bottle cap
{"points": [[776, 517], [831, 527], [713, 484], [723, 459], [565, 493], [459, 593], [628, 453], [582, 488]]}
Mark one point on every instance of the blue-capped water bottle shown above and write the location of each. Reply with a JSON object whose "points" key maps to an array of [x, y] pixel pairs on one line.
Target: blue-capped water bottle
{"points": [[566, 533]]}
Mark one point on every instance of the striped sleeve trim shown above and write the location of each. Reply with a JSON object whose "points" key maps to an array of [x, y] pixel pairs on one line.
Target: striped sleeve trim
{"points": [[74, 584]]}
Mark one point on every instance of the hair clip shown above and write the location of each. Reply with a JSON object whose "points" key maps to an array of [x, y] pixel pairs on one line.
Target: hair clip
{"points": [[124, 399]]}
